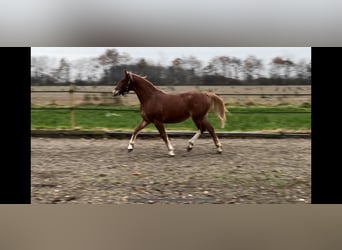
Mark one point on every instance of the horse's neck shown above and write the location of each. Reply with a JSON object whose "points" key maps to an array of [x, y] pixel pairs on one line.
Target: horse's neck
{"points": [[145, 90]]}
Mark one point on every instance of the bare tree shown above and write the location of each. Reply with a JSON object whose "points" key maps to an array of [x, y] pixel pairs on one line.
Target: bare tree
{"points": [[108, 60], [236, 65], [210, 69], [224, 62], [275, 70], [62, 73], [177, 63], [281, 68], [220, 65], [87, 69], [193, 64], [177, 68], [308, 70], [252, 67], [288, 68], [41, 66], [110, 57], [142, 66], [124, 58]]}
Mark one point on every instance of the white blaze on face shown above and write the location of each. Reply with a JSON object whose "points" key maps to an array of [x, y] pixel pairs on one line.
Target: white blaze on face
{"points": [[115, 92]]}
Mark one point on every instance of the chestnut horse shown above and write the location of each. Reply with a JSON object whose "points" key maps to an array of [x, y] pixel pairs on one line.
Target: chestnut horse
{"points": [[159, 107]]}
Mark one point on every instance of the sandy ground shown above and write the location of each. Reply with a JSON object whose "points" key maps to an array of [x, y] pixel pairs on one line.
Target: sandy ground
{"points": [[101, 171]]}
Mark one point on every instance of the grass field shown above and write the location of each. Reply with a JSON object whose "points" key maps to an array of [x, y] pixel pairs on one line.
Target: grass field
{"points": [[122, 113], [241, 118]]}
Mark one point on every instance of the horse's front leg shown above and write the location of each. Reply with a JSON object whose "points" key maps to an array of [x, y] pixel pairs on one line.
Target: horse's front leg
{"points": [[165, 138], [142, 124]]}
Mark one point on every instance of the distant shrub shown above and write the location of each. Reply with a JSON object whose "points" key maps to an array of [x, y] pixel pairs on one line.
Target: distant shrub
{"points": [[52, 102], [284, 104], [95, 97], [87, 98], [117, 101], [250, 103], [305, 105]]}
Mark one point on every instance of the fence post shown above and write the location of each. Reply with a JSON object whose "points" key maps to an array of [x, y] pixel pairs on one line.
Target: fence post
{"points": [[72, 114]]}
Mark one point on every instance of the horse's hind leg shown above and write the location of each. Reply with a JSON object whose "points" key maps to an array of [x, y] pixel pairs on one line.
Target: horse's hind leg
{"points": [[192, 140], [142, 124], [165, 138], [201, 128], [213, 135]]}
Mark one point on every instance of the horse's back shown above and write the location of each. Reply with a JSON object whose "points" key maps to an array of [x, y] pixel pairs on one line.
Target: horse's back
{"points": [[197, 98], [198, 103], [188, 98]]}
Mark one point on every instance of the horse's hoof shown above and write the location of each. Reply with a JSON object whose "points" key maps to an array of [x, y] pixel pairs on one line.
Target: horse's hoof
{"points": [[190, 146], [219, 150], [130, 147], [171, 153]]}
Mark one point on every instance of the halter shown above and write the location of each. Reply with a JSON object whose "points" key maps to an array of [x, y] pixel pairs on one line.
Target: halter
{"points": [[130, 81]]}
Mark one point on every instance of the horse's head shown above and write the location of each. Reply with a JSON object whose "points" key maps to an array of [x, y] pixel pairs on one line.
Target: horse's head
{"points": [[124, 85]]}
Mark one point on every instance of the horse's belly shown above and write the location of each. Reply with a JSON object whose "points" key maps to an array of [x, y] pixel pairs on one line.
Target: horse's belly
{"points": [[175, 119], [166, 116]]}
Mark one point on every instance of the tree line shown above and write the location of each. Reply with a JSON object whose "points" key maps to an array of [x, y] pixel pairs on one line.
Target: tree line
{"points": [[107, 69]]}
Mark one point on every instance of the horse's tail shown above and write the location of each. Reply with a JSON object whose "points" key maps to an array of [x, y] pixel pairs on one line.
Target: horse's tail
{"points": [[217, 106]]}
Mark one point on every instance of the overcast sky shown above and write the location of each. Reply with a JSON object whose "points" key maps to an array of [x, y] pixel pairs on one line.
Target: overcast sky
{"points": [[164, 55], [171, 23]]}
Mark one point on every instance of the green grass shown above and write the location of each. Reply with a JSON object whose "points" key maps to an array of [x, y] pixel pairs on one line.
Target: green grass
{"points": [[241, 118]]}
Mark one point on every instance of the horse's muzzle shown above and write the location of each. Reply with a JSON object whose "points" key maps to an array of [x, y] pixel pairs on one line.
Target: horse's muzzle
{"points": [[116, 92]]}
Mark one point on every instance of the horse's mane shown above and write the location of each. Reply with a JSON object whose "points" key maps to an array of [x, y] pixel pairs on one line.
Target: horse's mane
{"points": [[144, 78]]}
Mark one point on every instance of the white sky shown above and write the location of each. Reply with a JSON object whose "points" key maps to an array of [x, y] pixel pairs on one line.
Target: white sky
{"points": [[164, 55], [233, 22]]}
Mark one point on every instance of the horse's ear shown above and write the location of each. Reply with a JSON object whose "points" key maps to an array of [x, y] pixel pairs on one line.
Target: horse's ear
{"points": [[126, 73]]}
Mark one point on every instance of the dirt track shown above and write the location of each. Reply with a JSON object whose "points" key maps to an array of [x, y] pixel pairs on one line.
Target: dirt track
{"points": [[101, 171]]}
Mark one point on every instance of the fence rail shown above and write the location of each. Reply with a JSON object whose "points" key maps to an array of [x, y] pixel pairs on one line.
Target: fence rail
{"points": [[222, 94], [137, 111], [72, 107]]}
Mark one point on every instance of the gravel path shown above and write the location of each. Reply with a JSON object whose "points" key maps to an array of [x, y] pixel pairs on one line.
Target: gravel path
{"points": [[101, 171]]}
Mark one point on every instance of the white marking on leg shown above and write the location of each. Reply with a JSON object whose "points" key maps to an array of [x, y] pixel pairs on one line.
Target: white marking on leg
{"points": [[195, 137], [137, 130], [132, 139], [219, 146], [131, 143], [192, 140], [170, 147]]}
